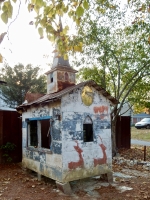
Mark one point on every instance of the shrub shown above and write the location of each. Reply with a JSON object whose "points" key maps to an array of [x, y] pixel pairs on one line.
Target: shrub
{"points": [[7, 148]]}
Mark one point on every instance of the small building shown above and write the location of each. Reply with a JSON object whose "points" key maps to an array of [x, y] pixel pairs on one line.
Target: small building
{"points": [[67, 132], [10, 132], [126, 110]]}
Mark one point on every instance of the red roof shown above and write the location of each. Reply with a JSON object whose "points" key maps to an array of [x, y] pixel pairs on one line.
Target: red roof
{"points": [[32, 96]]}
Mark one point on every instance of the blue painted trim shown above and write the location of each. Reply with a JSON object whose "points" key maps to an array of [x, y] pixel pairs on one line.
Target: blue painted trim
{"points": [[38, 118]]}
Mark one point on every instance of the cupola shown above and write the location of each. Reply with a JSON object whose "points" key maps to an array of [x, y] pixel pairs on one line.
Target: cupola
{"points": [[61, 75]]}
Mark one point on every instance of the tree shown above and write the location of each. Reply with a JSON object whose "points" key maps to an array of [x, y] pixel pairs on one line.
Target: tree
{"points": [[141, 96], [117, 57], [20, 80], [95, 73], [47, 12]]}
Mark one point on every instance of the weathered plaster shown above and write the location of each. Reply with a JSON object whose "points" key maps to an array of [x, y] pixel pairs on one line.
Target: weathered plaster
{"points": [[54, 160], [84, 173], [85, 157], [66, 76], [40, 112], [52, 86], [70, 158], [42, 168]]}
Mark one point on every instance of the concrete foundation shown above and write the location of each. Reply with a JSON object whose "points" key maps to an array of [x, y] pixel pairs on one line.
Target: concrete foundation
{"points": [[39, 177], [108, 177], [64, 187]]}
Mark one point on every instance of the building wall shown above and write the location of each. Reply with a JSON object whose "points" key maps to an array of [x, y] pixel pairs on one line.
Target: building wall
{"points": [[10, 131], [71, 158], [47, 162], [52, 86], [61, 80], [84, 159], [126, 110]]}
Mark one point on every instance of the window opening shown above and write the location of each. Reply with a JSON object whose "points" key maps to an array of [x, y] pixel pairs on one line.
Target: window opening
{"points": [[33, 134], [45, 134], [88, 130], [66, 76], [39, 132], [51, 77]]}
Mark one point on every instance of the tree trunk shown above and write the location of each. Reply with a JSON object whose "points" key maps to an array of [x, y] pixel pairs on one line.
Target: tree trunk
{"points": [[113, 131], [113, 136]]}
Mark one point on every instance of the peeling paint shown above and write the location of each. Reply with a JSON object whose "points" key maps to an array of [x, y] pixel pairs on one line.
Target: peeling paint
{"points": [[56, 147], [54, 160], [79, 173], [40, 112], [41, 168], [102, 110], [99, 161], [80, 162], [71, 157]]}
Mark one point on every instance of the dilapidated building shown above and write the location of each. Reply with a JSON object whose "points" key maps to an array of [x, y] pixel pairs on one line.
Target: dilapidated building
{"points": [[67, 132]]}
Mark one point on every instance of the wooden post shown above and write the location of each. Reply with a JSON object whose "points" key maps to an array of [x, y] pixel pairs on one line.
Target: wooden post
{"points": [[144, 153]]}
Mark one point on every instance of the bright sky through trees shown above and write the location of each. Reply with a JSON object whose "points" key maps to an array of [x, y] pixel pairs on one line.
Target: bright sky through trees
{"points": [[22, 44]]}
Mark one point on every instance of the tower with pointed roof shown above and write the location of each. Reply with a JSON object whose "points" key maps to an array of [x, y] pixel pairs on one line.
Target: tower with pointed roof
{"points": [[61, 75]]}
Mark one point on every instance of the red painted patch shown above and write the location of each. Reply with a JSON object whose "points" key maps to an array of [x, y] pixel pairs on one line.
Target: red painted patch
{"points": [[101, 109], [80, 163], [99, 161]]}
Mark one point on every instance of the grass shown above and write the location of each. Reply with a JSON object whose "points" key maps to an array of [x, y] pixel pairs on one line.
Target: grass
{"points": [[140, 134]]}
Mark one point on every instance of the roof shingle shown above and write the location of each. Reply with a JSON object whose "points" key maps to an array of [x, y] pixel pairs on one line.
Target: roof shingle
{"points": [[54, 96]]}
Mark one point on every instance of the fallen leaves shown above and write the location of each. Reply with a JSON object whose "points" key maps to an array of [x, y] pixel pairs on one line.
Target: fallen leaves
{"points": [[33, 186], [16, 183]]}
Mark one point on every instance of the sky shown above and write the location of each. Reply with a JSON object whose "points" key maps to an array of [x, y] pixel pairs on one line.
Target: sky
{"points": [[22, 44]]}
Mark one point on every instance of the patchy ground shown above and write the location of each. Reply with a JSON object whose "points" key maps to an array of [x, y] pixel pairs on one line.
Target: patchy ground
{"points": [[131, 181]]}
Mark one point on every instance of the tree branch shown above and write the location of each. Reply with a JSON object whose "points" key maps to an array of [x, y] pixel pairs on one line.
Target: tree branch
{"points": [[14, 19], [130, 80], [113, 79], [125, 96], [118, 64]]}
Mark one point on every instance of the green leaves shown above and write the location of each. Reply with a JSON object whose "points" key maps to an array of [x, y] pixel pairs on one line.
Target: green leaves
{"points": [[1, 58], [48, 12], [40, 30], [4, 17], [79, 11], [39, 3], [47, 19], [85, 5], [7, 11], [121, 53], [33, 2]]}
